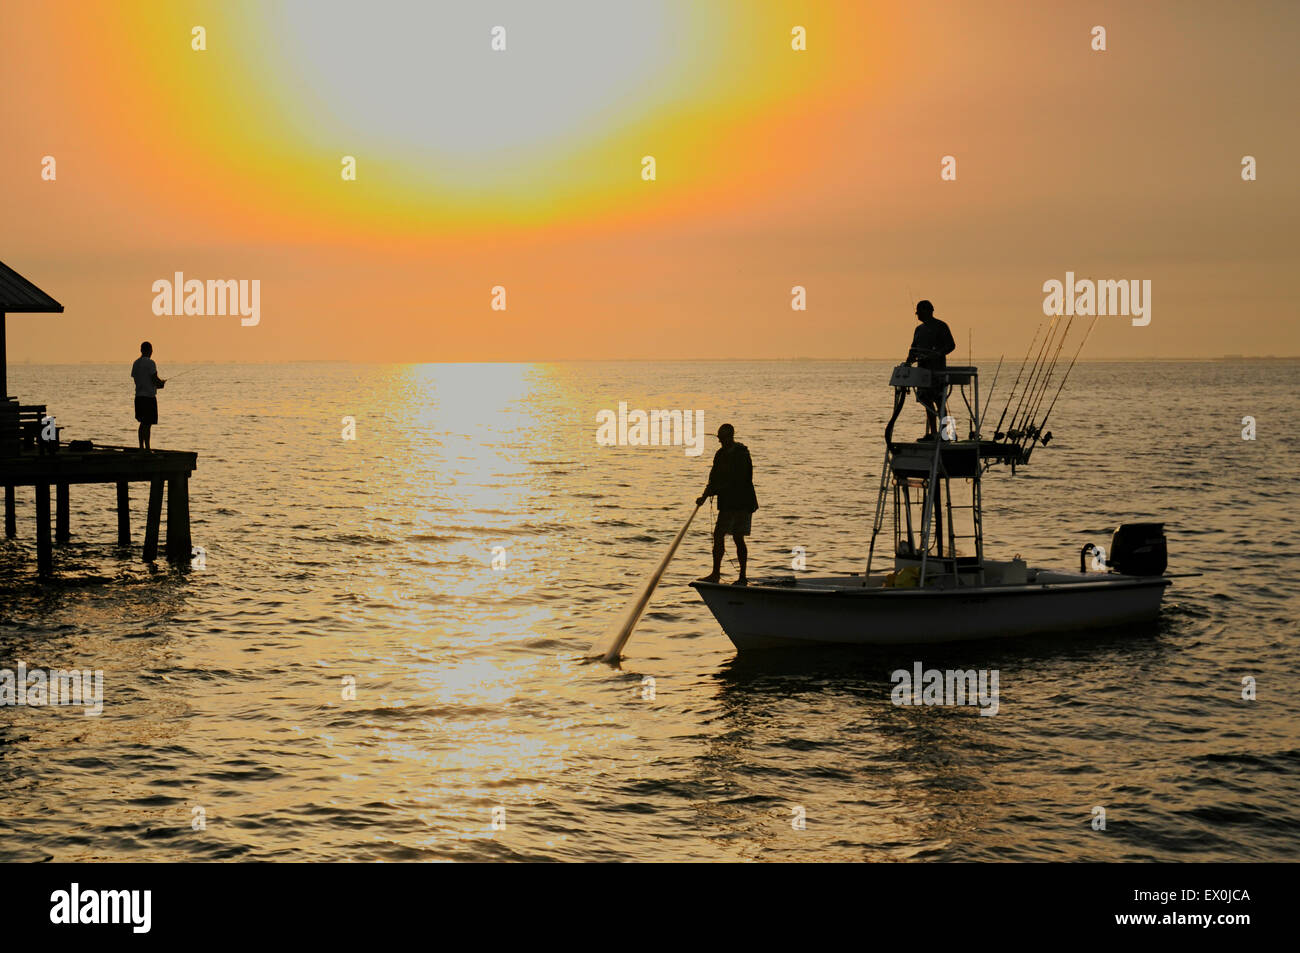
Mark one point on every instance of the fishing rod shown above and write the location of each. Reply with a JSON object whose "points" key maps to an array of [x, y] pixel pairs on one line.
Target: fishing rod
{"points": [[979, 424], [1012, 431], [1036, 369], [1023, 362], [1052, 378], [1047, 436], [1044, 381], [1046, 373], [1037, 402]]}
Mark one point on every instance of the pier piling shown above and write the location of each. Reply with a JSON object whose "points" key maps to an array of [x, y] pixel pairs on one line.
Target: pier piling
{"points": [[11, 523], [123, 513], [178, 518], [62, 529], [44, 547], [117, 466], [152, 518]]}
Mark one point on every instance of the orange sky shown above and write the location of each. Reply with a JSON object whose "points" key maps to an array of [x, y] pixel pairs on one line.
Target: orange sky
{"points": [[522, 168]]}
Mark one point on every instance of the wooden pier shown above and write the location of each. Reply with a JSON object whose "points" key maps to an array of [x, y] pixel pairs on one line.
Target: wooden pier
{"points": [[118, 465], [31, 454]]}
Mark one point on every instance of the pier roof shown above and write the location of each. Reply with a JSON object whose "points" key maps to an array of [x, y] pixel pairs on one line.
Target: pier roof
{"points": [[20, 296]]}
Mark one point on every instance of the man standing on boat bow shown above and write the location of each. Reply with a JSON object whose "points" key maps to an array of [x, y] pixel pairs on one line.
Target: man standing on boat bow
{"points": [[931, 344], [732, 481]]}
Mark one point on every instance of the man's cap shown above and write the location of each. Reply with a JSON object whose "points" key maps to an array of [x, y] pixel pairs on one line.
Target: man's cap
{"points": [[727, 429], [924, 307]]}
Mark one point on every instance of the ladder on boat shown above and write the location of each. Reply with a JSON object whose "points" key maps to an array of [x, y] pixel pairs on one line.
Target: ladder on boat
{"points": [[937, 472], [927, 513], [886, 480]]}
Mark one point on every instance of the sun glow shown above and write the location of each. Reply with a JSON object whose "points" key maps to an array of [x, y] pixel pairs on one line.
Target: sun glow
{"points": [[446, 130]]}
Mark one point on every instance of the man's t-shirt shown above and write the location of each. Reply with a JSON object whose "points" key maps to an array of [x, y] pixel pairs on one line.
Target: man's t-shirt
{"points": [[930, 343], [144, 370], [732, 478]]}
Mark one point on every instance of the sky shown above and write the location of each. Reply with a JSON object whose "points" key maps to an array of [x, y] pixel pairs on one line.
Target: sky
{"points": [[522, 169]]}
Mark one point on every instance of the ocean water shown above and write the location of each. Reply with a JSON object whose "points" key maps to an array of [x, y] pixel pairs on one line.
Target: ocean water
{"points": [[477, 732]]}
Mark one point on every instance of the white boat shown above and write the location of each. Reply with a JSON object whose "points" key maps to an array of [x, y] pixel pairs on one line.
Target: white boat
{"points": [[937, 592], [857, 610]]}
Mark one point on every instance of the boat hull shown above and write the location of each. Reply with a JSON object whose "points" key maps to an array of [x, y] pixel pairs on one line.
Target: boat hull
{"points": [[802, 614]]}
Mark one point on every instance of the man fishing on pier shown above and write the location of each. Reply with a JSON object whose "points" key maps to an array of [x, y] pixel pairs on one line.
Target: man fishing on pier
{"points": [[931, 344], [147, 384], [732, 480]]}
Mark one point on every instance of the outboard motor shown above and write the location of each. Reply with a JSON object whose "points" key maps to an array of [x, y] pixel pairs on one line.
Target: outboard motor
{"points": [[1138, 549]]}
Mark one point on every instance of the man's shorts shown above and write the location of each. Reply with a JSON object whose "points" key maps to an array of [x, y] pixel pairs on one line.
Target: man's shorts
{"points": [[929, 397], [146, 410], [733, 522]]}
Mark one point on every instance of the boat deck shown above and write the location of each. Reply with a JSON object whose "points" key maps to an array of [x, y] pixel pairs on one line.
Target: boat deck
{"points": [[853, 584]]}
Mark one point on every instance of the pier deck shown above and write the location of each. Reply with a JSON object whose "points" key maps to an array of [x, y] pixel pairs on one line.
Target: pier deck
{"points": [[118, 465]]}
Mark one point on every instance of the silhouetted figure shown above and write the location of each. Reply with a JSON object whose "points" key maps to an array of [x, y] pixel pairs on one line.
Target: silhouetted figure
{"points": [[147, 384], [931, 344], [732, 480]]}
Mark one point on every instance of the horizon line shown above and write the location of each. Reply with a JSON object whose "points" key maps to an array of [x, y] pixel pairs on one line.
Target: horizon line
{"points": [[668, 360]]}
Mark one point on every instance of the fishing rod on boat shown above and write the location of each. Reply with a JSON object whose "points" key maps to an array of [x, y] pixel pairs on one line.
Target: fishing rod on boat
{"points": [[1012, 431], [979, 424], [1039, 429], [1037, 402], [1044, 382], [1019, 429], [1035, 372], [998, 429], [1031, 432], [1051, 379], [1046, 375]]}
